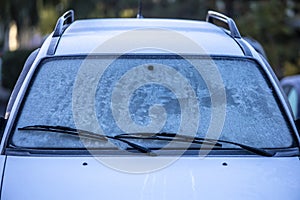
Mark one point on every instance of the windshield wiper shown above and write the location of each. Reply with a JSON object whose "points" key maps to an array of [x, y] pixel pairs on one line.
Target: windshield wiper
{"points": [[169, 137], [145, 136], [86, 134], [197, 140]]}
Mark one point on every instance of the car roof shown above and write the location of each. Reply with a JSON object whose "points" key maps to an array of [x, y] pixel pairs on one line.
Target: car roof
{"points": [[89, 34], [84, 36], [291, 80]]}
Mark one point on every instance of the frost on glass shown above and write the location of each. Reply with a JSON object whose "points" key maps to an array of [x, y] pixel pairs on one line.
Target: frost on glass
{"points": [[252, 114]]}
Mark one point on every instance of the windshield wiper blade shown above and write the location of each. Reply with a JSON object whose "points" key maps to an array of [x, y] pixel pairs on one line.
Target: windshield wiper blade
{"points": [[86, 134], [65, 130], [169, 137], [197, 140]]}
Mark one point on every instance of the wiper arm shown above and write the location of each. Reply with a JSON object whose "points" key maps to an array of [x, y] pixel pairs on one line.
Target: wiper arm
{"points": [[86, 134], [197, 140], [255, 150]]}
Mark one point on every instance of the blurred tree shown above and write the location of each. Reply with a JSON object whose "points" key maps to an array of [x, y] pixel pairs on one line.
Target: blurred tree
{"points": [[49, 11], [24, 13], [274, 23], [5, 21], [194, 9], [266, 21]]}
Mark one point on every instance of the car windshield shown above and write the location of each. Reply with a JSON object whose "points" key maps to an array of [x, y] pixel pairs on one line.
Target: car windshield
{"points": [[226, 98]]}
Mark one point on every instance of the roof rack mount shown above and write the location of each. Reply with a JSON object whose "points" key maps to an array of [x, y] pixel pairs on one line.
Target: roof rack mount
{"points": [[232, 28], [63, 22]]}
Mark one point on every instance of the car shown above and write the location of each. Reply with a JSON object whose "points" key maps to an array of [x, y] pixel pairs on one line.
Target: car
{"points": [[142, 108], [291, 87]]}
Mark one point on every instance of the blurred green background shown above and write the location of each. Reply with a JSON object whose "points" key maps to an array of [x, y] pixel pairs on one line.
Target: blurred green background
{"points": [[274, 23]]}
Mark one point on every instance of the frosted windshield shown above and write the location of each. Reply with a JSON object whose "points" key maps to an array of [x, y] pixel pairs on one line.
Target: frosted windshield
{"points": [[152, 94]]}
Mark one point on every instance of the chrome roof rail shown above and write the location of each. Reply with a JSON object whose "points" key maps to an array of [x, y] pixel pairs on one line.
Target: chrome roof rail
{"points": [[63, 22], [232, 28], [61, 25]]}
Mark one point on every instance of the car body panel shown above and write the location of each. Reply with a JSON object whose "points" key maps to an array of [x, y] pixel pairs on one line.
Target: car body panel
{"points": [[291, 87], [105, 29], [2, 167], [187, 178], [190, 177]]}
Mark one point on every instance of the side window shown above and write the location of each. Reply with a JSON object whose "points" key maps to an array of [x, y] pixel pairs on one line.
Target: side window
{"points": [[293, 99]]}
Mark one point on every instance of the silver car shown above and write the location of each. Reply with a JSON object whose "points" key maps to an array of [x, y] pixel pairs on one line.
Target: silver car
{"points": [[148, 109]]}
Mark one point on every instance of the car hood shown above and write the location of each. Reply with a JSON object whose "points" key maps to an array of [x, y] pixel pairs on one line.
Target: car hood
{"points": [[187, 178]]}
